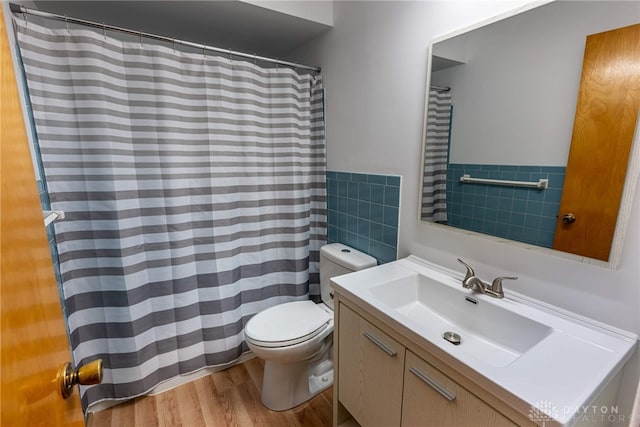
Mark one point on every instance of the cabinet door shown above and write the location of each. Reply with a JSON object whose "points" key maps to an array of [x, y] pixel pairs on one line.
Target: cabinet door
{"points": [[370, 366], [432, 399]]}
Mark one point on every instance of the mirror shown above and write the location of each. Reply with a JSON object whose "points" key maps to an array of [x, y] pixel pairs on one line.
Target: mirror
{"points": [[501, 102]]}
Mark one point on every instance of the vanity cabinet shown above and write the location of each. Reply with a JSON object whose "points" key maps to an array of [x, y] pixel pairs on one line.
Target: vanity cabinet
{"points": [[382, 382], [370, 360], [432, 398]]}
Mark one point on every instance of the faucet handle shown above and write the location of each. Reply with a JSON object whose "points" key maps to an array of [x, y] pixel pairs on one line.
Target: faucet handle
{"points": [[496, 285], [470, 272]]}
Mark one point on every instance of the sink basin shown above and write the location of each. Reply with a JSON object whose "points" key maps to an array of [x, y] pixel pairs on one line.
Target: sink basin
{"points": [[488, 332], [532, 351]]}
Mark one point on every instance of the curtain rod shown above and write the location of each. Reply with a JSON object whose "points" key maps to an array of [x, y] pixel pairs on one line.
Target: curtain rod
{"points": [[442, 88], [16, 8]]}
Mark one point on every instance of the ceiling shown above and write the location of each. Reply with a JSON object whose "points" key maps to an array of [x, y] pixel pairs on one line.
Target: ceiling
{"points": [[226, 24]]}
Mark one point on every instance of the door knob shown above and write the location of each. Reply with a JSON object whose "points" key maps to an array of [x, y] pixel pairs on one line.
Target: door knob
{"points": [[68, 377], [568, 218]]}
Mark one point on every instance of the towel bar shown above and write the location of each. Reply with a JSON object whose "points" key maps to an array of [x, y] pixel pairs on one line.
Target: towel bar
{"points": [[541, 183], [50, 216]]}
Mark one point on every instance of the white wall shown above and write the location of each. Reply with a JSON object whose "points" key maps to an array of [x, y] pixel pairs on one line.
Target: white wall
{"points": [[374, 67], [317, 11]]}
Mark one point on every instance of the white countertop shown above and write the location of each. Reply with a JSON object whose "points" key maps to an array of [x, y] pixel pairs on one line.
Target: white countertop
{"points": [[559, 375]]}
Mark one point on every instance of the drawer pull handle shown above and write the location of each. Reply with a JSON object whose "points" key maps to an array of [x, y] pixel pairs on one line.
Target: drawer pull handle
{"points": [[391, 352], [434, 384]]}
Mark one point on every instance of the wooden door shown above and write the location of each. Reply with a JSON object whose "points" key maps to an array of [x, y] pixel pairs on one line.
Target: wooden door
{"points": [[34, 340], [604, 125], [433, 399], [370, 366]]}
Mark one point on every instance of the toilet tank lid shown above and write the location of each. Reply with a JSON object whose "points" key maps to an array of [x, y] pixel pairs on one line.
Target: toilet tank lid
{"points": [[347, 257]]}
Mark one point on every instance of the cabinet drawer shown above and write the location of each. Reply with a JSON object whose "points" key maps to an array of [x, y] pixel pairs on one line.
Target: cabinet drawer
{"points": [[370, 365], [433, 399]]}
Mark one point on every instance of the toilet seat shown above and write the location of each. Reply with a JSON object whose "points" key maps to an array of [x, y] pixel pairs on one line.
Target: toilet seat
{"points": [[287, 324]]}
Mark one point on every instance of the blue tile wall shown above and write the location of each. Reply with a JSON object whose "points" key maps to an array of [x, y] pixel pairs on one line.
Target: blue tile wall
{"points": [[363, 212], [524, 214]]}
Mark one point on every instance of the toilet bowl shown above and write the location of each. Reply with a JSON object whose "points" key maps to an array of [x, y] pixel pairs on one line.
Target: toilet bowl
{"points": [[295, 339]]}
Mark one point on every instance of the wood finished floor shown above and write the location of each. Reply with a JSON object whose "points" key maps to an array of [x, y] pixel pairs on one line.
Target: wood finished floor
{"points": [[227, 398]]}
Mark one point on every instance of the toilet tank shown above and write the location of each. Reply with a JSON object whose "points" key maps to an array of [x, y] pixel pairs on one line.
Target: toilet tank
{"points": [[337, 259]]}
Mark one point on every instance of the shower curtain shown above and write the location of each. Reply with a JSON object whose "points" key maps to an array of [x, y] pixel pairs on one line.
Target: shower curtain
{"points": [[436, 157], [194, 194]]}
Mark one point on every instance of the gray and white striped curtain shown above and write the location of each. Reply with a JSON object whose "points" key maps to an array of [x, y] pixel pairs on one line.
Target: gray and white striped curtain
{"points": [[434, 185], [194, 194]]}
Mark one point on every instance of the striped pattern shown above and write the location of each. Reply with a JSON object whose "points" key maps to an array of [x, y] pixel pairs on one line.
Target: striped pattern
{"points": [[436, 153], [194, 193]]}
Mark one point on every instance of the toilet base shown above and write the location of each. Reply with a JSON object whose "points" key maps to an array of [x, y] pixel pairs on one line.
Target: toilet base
{"points": [[286, 385]]}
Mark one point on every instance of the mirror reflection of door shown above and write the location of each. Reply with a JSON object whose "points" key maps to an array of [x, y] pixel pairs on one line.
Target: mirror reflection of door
{"points": [[604, 126]]}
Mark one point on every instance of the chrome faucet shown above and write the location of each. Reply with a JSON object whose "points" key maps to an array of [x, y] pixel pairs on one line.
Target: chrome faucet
{"points": [[473, 282]]}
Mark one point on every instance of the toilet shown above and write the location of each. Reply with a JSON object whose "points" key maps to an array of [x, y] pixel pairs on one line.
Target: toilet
{"points": [[295, 339]]}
